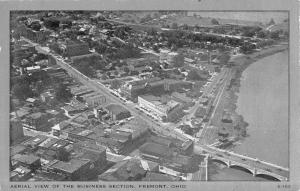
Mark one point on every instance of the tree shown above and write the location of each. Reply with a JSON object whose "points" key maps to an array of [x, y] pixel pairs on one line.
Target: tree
{"points": [[214, 21], [155, 49], [196, 75], [174, 26], [35, 26], [261, 34], [100, 48], [274, 35], [272, 22], [62, 93], [62, 155], [116, 84], [51, 23], [22, 91], [185, 27], [126, 69]]}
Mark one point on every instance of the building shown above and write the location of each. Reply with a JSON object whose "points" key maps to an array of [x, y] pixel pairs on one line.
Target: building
{"points": [[126, 170], [158, 177], [34, 141], [117, 112], [37, 121], [47, 96], [159, 106], [16, 130], [93, 99], [75, 48], [75, 169], [167, 56], [74, 108], [30, 161], [135, 88], [181, 97], [154, 152], [89, 150], [20, 173]]}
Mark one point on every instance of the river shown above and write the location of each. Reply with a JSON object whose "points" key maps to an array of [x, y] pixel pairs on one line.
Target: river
{"points": [[263, 102]]}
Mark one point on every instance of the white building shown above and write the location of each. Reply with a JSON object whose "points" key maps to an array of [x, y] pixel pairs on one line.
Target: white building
{"points": [[155, 105], [167, 56]]}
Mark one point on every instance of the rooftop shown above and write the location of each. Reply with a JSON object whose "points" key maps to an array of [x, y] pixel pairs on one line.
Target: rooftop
{"points": [[153, 176], [27, 159], [124, 170], [116, 109], [48, 142], [155, 149], [71, 166]]}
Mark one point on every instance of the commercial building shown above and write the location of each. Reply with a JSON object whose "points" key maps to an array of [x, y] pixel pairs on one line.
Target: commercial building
{"points": [[133, 89], [31, 162], [154, 176], [159, 106], [75, 169], [126, 170], [37, 121], [155, 152], [117, 112]]}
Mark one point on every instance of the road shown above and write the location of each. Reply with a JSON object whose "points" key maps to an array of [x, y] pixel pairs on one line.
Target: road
{"points": [[208, 133], [98, 87], [152, 123], [243, 160]]}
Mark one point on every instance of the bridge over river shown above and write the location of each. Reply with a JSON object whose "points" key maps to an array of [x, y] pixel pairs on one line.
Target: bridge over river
{"points": [[255, 166]]}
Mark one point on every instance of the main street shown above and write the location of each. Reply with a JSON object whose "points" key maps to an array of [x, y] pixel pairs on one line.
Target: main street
{"points": [[110, 98], [151, 122]]}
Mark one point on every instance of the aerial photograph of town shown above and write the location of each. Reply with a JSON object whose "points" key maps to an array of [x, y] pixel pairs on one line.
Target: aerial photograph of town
{"points": [[149, 95]]}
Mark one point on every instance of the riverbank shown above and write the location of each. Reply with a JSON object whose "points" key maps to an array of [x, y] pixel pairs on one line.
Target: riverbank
{"points": [[239, 65], [250, 98]]}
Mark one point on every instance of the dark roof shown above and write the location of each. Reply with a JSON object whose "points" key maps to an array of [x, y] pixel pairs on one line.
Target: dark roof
{"points": [[124, 170], [27, 159], [155, 149], [17, 149], [47, 176], [48, 142], [152, 176], [89, 145], [161, 140], [35, 140], [116, 109], [70, 166], [182, 160]]}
